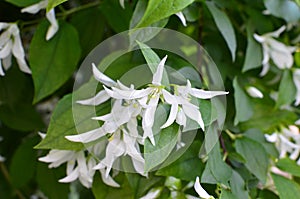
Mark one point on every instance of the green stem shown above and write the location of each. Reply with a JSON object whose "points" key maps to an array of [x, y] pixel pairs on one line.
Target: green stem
{"points": [[77, 9]]}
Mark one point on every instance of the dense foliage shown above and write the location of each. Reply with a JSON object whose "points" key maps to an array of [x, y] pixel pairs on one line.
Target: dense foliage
{"points": [[135, 119]]}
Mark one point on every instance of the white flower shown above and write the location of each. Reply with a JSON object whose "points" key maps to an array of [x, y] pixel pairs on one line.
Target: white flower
{"points": [[287, 142], [148, 99], [78, 166], [296, 79], [254, 92], [182, 18], [11, 44], [33, 9], [181, 105], [277, 51], [201, 192]]}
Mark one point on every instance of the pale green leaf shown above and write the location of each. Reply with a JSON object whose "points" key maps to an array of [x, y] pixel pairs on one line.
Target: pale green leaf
{"points": [[286, 188], [224, 25], [255, 155], [253, 52], [287, 90], [243, 106], [23, 3], [289, 166]]}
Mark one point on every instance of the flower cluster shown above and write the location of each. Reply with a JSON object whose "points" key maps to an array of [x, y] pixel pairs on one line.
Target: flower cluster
{"points": [[287, 142], [280, 54], [120, 126], [11, 44]]}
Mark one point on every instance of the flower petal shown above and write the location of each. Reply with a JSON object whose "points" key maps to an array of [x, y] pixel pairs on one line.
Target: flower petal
{"points": [[6, 50], [254, 92], [88, 136], [157, 76], [203, 94], [101, 97], [201, 192], [108, 180], [71, 177], [23, 66], [54, 25], [172, 116], [193, 113], [182, 18], [33, 9], [122, 3], [101, 77]]}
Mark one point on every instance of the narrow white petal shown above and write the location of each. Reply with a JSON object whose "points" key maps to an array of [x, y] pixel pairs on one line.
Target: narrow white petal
{"points": [[108, 180], [6, 50], [17, 49], [122, 3], [152, 194], [202, 94], [54, 25], [102, 78], [57, 157], [1, 69], [265, 69], [5, 37], [104, 118], [266, 56], [128, 94], [201, 192], [157, 76], [181, 118], [71, 177], [258, 38], [149, 133], [277, 32], [101, 97], [88, 136], [7, 62], [33, 9], [139, 166], [271, 138], [254, 92], [181, 17], [194, 114], [172, 116], [23, 66], [169, 98]]}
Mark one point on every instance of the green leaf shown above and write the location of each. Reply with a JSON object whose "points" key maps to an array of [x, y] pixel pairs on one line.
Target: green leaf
{"points": [[118, 22], [243, 106], [226, 194], [153, 60], [286, 188], [237, 185], [47, 180], [22, 117], [158, 10], [54, 3], [90, 26], [224, 25], [289, 166], [103, 191], [165, 141], [255, 156], [24, 159], [286, 96], [23, 3], [253, 51], [181, 168], [218, 168], [144, 34], [288, 10], [53, 62]]}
